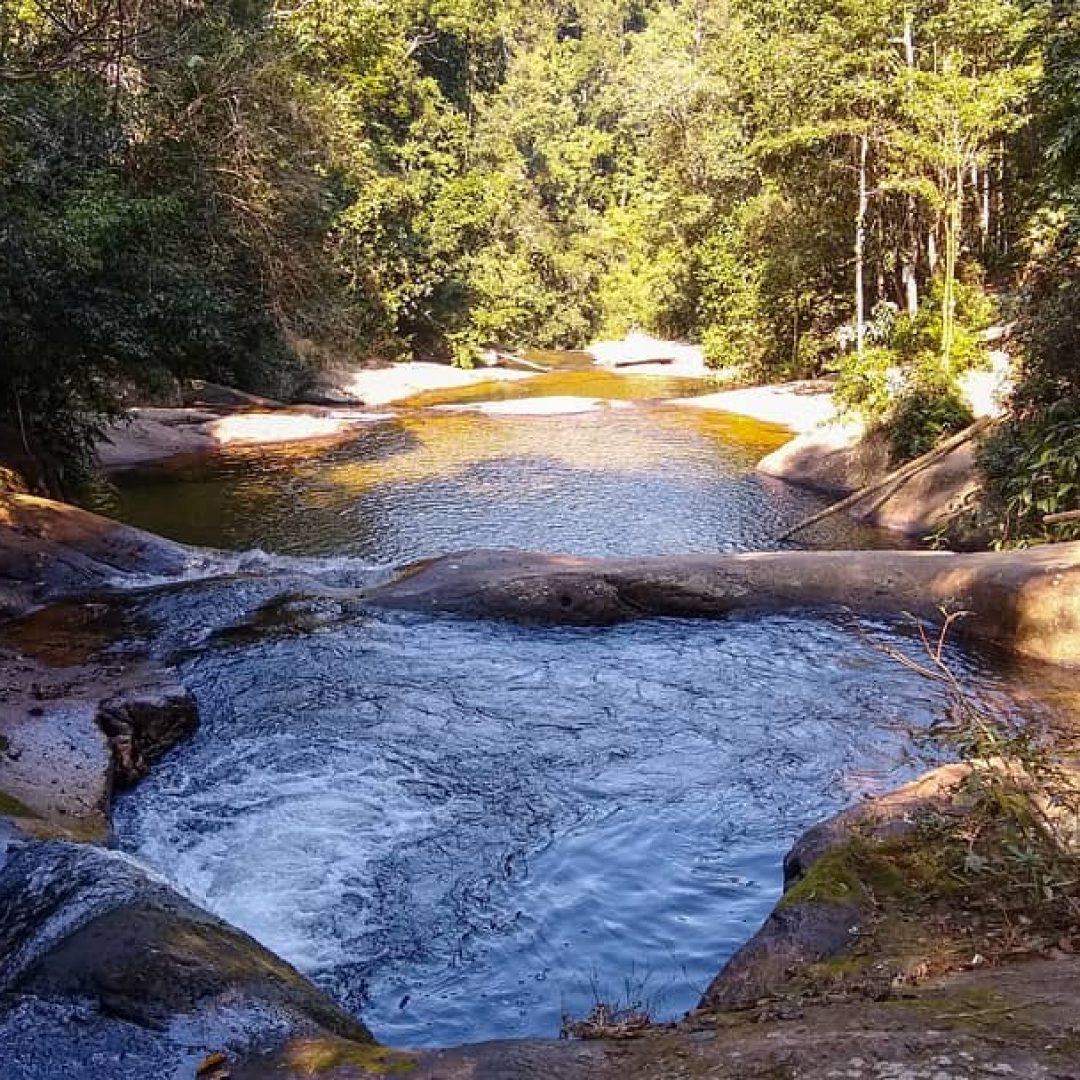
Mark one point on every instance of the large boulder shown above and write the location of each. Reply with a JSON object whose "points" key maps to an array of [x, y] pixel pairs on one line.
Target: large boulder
{"points": [[73, 732], [827, 896], [107, 972], [50, 549], [839, 459]]}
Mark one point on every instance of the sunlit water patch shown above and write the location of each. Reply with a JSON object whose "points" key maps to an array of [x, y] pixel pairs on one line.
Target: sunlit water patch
{"points": [[464, 830], [639, 480]]}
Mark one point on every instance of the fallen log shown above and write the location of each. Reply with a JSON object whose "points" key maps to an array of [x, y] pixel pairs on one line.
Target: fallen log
{"points": [[1025, 601], [1063, 518]]}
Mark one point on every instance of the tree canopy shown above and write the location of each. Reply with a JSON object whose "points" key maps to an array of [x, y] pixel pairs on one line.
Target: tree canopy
{"points": [[242, 189]]}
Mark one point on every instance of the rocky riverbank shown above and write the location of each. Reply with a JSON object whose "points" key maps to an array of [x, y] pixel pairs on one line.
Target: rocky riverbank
{"points": [[867, 968]]}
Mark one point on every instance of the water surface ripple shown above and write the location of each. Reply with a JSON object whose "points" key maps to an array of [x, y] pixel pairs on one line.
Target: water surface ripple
{"points": [[465, 829]]}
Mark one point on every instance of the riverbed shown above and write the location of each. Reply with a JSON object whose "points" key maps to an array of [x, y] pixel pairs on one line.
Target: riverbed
{"points": [[466, 830]]}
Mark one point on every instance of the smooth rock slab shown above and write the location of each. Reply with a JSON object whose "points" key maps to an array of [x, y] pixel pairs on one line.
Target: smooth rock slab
{"points": [[839, 459], [1025, 601], [71, 734], [50, 549]]}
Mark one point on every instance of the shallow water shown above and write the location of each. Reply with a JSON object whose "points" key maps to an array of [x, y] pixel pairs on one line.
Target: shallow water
{"points": [[623, 479], [464, 829]]}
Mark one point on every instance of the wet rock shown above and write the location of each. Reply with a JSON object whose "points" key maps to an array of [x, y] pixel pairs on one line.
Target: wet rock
{"points": [[144, 722], [70, 735], [50, 549], [1026, 601], [105, 968], [793, 936]]}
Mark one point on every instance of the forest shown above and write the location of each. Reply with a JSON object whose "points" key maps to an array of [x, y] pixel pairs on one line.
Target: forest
{"points": [[244, 190]]}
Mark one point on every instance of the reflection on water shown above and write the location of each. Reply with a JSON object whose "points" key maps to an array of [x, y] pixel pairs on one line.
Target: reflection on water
{"points": [[641, 480], [595, 383]]}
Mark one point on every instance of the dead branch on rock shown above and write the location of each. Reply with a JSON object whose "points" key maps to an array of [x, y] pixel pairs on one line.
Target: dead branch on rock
{"points": [[897, 476]]}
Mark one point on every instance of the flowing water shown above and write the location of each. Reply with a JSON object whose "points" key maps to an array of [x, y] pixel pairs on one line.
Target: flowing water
{"points": [[465, 829]]}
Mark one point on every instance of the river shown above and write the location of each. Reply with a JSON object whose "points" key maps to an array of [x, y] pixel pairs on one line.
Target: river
{"points": [[466, 830]]}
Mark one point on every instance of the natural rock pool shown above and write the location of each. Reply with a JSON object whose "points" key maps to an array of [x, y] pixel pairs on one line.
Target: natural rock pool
{"points": [[465, 829], [624, 477]]}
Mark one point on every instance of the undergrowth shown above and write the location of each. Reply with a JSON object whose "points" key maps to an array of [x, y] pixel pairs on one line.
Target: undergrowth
{"points": [[1009, 845]]}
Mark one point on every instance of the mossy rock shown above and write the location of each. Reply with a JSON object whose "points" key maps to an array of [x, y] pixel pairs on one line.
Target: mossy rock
{"points": [[81, 925], [12, 807], [318, 1055]]}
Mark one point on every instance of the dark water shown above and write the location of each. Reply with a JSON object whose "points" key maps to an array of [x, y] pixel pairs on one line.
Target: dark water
{"points": [[466, 829]]}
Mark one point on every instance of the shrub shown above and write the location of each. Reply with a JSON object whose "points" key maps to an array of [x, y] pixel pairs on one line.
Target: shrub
{"points": [[1032, 463], [864, 383], [1032, 466], [924, 415]]}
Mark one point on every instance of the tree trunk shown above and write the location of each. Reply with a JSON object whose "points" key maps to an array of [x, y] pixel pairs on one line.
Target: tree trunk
{"points": [[953, 225], [985, 220], [860, 246], [909, 268], [909, 278]]}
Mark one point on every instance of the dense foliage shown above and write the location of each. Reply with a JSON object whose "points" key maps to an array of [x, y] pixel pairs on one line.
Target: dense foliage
{"points": [[1033, 463], [239, 189]]}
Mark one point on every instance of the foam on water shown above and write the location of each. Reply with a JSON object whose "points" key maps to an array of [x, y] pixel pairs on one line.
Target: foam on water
{"points": [[208, 564]]}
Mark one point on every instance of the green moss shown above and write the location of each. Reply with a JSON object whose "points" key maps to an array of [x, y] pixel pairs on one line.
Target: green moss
{"points": [[977, 1007], [833, 879], [234, 959], [319, 1054], [11, 806], [882, 873], [912, 868], [841, 966]]}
